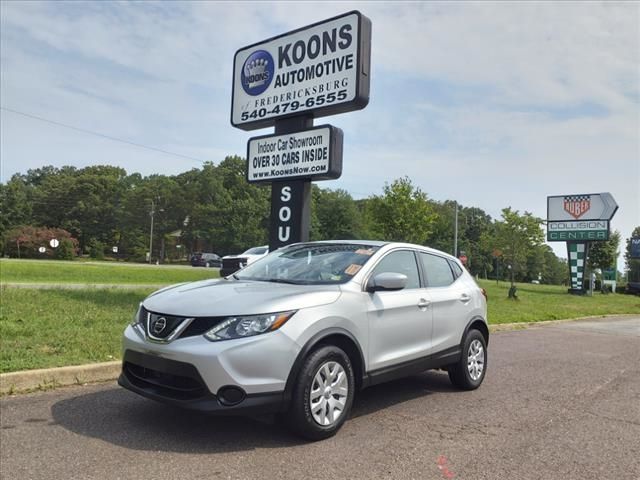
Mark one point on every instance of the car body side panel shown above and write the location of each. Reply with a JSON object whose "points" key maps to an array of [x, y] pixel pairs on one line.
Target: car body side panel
{"points": [[400, 330], [348, 314], [451, 313]]}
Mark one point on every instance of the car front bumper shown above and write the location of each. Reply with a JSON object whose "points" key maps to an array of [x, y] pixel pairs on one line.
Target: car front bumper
{"points": [[243, 376]]}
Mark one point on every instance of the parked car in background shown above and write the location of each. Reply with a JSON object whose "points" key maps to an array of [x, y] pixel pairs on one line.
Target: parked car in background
{"points": [[233, 263], [206, 260], [301, 330]]}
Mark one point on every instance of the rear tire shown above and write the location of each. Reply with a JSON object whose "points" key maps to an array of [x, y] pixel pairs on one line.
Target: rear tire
{"points": [[468, 373], [322, 395]]}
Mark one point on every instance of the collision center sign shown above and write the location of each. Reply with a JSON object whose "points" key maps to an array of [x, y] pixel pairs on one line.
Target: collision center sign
{"points": [[321, 69], [311, 154], [580, 217]]}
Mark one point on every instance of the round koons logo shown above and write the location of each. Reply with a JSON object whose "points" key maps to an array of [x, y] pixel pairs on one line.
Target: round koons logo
{"points": [[257, 72]]}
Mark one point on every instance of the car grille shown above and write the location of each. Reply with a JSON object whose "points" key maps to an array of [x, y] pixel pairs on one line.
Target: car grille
{"points": [[198, 326], [159, 325], [168, 378]]}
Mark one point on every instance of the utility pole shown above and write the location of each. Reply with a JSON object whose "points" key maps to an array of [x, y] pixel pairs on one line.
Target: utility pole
{"points": [[151, 213], [455, 234]]}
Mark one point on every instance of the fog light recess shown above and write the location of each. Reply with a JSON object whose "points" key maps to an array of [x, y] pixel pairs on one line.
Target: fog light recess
{"points": [[230, 395]]}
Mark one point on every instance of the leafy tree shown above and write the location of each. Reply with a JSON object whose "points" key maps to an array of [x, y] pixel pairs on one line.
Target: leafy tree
{"points": [[473, 225], [402, 214], [604, 254], [336, 215], [65, 250], [535, 263], [84, 201], [214, 208], [555, 270], [632, 264], [96, 249], [16, 203], [229, 214], [516, 235]]}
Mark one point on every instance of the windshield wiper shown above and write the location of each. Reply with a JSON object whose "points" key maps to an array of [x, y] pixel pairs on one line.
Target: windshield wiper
{"points": [[280, 280]]}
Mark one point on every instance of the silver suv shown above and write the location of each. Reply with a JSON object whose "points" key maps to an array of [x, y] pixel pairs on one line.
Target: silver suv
{"points": [[302, 329]]}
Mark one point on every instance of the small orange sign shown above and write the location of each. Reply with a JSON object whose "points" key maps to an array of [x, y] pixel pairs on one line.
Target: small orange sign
{"points": [[352, 269]]}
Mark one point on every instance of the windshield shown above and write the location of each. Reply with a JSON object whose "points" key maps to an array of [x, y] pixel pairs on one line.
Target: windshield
{"points": [[310, 264], [255, 251]]}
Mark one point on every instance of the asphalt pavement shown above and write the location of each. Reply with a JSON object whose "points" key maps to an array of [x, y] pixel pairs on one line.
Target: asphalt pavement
{"points": [[560, 401]]}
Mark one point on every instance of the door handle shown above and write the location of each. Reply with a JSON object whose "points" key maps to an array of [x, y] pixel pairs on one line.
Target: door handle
{"points": [[423, 303], [464, 298]]}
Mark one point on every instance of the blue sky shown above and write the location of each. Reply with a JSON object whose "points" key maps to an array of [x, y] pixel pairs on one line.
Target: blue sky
{"points": [[491, 104]]}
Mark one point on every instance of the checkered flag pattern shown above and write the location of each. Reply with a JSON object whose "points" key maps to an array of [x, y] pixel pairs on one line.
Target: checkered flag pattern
{"points": [[577, 198], [577, 259]]}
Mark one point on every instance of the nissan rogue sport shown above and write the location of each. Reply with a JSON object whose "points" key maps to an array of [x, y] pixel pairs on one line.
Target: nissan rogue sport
{"points": [[301, 330]]}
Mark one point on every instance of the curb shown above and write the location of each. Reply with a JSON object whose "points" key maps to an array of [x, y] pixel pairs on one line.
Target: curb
{"points": [[50, 378], [505, 327]]}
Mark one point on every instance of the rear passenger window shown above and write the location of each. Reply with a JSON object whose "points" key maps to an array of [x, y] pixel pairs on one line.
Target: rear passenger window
{"points": [[457, 270], [437, 269], [402, 261]]}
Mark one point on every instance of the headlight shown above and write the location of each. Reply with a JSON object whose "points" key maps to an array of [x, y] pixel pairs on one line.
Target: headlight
{"points": [[247, 326], [137, 318]]}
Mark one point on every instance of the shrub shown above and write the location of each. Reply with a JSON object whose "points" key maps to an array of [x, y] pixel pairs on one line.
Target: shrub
{"points": [[96, 249], [65, 250], [25, 241]]}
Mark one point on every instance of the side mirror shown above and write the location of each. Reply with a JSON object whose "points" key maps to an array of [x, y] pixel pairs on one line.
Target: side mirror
{"points": [[387, 281]]}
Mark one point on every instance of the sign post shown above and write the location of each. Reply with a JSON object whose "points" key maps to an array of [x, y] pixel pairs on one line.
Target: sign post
{"points": [[285, 82], [579, 220]]}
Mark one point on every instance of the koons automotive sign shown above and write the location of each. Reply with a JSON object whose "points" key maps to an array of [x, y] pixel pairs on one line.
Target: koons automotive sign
{"points": [[321, 69]]}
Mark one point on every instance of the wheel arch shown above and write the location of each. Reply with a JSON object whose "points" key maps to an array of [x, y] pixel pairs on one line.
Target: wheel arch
{"points": [[476, 323], [338, 337]]}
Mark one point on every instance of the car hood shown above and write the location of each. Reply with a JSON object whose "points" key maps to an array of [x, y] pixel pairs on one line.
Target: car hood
{"points": [[214, 298]]}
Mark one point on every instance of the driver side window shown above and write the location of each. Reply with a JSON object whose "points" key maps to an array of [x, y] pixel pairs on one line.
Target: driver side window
{"points": [[401, 261]]}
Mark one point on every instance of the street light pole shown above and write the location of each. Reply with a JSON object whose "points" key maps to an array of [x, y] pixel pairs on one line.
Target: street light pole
{"points": [[455, 234], [151, 213]]}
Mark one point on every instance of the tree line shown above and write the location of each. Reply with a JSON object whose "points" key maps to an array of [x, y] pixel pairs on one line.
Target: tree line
{"points": [[214, 209]]}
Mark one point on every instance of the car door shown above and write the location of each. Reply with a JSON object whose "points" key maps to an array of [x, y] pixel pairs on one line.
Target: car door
{"points": [[451, 301], [399, 321]]}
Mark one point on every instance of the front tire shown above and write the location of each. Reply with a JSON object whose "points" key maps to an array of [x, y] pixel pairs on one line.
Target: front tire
{"points": [[323, 394], [468, 373]]}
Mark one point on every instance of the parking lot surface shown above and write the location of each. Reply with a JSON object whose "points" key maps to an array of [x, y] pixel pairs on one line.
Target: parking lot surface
{"points": [[559, 401]]}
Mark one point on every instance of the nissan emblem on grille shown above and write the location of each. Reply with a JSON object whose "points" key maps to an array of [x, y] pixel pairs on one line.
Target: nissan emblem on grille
{"points": [[158, 325]]}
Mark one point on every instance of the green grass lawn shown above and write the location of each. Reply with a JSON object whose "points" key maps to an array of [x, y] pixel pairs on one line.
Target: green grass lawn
{"points": [[57, 327], [550, 302], [53, 328], [51, 271]]}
